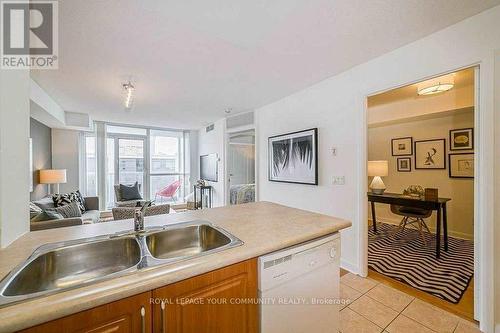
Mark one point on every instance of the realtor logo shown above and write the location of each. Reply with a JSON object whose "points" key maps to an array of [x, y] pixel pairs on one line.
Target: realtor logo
{"points": [[29, 34]]}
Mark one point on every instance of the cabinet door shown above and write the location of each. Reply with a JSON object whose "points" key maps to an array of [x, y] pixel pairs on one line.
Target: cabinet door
{"points": [[210, 303], [129, 315]]}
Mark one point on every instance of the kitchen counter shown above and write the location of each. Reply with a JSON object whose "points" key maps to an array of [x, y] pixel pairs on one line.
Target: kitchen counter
{"points": [[264, 227]]}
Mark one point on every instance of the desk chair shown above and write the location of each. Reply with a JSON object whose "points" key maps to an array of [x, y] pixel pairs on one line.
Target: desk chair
{"points": [[412, 216]]}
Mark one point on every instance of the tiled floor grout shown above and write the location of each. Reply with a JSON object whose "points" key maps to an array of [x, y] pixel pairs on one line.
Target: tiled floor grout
{"points": [[399, 313]]}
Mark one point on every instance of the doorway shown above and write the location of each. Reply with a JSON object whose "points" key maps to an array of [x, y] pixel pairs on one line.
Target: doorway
{"points": [[421, 152], [241, 167]]}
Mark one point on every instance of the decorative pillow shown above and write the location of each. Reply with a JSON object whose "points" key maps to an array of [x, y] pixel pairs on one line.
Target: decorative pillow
{"points": [[130, 192], [67, 198], [47, 215], [81, 201], [34, 210], [69, 210]]}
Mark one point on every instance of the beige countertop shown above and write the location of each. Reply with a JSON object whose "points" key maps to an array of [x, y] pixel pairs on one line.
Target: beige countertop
{"points": [[264, 227]]}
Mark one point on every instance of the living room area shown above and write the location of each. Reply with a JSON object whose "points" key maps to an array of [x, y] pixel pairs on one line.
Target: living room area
{"points": [[106, 170]]}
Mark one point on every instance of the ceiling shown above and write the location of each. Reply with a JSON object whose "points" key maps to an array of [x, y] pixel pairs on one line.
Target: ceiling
{"points": [[463, 78], [190, 60]]}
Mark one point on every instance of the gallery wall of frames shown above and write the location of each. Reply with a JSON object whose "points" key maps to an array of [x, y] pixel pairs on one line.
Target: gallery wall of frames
{"points": [[434, 154]]}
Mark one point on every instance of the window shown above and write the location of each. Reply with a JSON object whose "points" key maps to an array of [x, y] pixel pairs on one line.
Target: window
{"points": [[111, 129], [155, 158], [167, 177]]}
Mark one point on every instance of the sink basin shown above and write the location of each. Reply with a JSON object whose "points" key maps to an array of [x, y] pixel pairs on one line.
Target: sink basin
{"points": [[187, 241], [73, 265], [59, 266]]}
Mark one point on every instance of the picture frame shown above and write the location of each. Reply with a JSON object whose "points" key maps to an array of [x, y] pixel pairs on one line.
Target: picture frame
{"points": [[402, 146], [462, 139], [404, 164], [293, 157], [461, 165], [430, 154]]}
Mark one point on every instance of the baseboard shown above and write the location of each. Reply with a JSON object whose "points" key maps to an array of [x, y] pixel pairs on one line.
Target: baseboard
{"points": [[451, 233]]}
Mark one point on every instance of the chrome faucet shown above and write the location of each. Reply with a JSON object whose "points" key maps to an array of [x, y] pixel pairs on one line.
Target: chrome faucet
{"points": [[139, 217]]}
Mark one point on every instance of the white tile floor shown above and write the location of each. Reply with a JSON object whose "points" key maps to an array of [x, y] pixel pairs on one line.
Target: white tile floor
{"points": [[374, 307]]}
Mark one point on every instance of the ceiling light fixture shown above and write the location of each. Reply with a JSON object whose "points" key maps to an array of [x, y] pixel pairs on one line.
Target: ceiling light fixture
{"points": [[437, 85], [129, 97]]}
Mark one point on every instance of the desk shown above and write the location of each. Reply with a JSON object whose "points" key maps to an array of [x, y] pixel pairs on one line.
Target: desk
{"points": [[401, 200], [203, 189]]}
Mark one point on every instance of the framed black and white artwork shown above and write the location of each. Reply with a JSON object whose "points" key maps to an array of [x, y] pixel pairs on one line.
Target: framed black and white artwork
{"points": [[404, 164], [462, 139], [293, 157], [430, 154], [461, 165], [402, 146]]}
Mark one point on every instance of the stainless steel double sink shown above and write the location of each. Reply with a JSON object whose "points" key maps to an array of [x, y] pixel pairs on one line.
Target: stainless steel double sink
{"points": [[60, 266]]}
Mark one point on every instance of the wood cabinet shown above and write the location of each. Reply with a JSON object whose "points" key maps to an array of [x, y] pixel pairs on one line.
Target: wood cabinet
{"points": [[132, 314], [221, 301]]}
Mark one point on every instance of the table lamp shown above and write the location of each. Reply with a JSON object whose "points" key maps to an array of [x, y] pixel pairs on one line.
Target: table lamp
{"points": [[377, 169], [53, 176]]}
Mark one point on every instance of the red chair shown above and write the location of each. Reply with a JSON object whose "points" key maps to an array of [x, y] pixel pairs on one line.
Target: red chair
{"points": [[169, 191]]}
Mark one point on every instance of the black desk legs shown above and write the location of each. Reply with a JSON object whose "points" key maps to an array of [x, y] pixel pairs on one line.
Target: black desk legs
{"points": [[445, 228], [374, 217], [438, 233]]}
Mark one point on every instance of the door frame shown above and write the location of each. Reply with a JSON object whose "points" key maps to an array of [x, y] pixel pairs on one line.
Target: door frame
{"points": [[482, 243], [227, 137]]}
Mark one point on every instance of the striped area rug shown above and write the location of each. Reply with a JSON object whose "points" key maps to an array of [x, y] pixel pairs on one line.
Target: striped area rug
{"points": [[405, 258]]}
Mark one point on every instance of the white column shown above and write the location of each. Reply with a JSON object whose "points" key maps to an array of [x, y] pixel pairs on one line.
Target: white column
{"points": [[101, 163], [14, 154]]}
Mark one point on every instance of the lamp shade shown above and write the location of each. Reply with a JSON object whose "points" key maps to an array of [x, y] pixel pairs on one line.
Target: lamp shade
{"points": [[53, 176], [378, 168]]}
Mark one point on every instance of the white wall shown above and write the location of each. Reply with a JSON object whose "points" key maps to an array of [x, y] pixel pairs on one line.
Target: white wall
{"points": [[460, 190], [210, 143], [14, 154], [65, 145], [336, 106], [194, 160]]}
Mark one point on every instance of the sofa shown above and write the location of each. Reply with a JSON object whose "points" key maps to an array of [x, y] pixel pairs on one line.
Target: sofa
{"points": [[91, 215]]}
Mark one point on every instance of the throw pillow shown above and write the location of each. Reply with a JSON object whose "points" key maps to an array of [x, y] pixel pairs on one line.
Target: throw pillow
{"points": [[69, 210], [47, 215], [130, 192], [67, 198], [34, 210], [81, 201]]}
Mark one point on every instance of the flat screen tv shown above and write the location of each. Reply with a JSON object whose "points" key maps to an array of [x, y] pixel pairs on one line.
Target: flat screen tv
{"points": [[209, 167]]}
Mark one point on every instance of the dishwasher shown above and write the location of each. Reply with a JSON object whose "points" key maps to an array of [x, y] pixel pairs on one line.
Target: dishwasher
{"points": [[299, 288]]}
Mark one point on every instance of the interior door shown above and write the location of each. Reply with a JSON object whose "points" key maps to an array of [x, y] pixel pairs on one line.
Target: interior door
{"points": [[241, 159], [131, 158], [241, 164]]}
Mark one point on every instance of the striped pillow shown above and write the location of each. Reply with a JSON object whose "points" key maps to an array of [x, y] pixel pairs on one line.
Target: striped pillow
{"points": [[69, 210], [67, 198]]}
